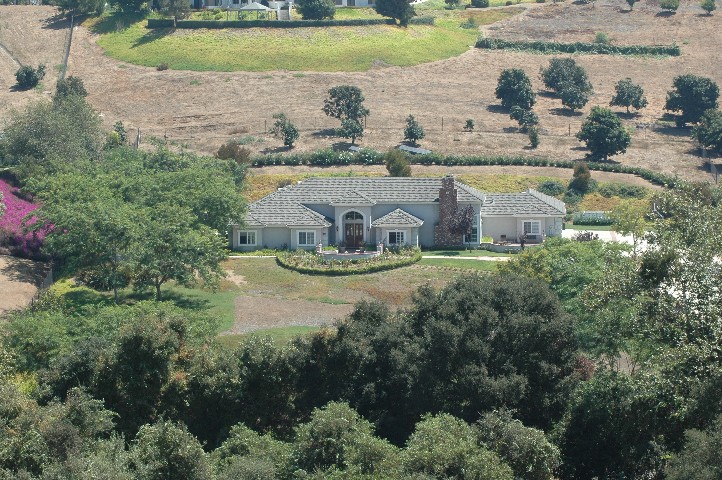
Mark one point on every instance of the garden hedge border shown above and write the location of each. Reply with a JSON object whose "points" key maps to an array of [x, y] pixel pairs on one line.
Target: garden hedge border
{"points": [[370, 157], [577, 47], [365, 268]]}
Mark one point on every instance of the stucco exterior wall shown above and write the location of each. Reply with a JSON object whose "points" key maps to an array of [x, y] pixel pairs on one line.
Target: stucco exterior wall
{"points": [[276, 237], [495, 227]]}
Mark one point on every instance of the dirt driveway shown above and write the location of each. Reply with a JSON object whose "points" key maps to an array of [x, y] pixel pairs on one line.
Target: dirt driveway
{"points": [[18, 281]]}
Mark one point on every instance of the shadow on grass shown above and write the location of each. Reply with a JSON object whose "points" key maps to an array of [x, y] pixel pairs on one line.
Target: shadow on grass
{"points": [[665, 14], [565, 112], [178, 299], [493, 108], [59, 21], [152, 36], [77, 299], [325, 132]]}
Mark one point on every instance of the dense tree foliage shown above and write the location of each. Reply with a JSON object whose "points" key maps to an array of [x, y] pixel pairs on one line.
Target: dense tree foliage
{"points": [[708, 132], [316, 9], [628, 94], [397, 164], [691, 97], [284, 128], [568, 80], [400, 10], [514, 89], [345, 102], [604, 134], [413, 132]]}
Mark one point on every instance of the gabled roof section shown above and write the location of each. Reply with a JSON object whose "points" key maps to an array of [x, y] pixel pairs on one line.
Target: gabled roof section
{"points": [[272, 211], [352, 198], [527, 204], [397, 218]]}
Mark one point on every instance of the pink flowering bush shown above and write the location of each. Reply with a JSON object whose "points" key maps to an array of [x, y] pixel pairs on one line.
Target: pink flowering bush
{"points": [[12, 234]]}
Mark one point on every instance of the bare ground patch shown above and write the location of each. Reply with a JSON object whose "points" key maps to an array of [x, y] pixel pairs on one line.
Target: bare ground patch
{"points": [[18, 281], [260, 313]]}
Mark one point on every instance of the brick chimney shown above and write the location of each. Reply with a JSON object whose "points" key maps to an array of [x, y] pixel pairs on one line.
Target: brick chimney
{"points": [[447, 209]]}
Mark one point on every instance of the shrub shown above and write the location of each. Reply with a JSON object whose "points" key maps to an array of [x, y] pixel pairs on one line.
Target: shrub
{"points": [[233, 151], [469, 127], [307, 262], [708, 6], [602, 38], [581, 179], [585, 237], [525, 118], [591, 218], [413, 131], [397, 164], [400, 10], [161, 67], [621, 190], [316, 9], [669, 5], [70, 86], [197, 24], [708, 132], [552, 187], [480, 3], [16, 225], [28, 77], [533, 133], [284, 128]]}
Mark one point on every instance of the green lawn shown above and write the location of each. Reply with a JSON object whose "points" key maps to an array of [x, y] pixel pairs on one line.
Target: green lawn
{"points": [[466, 253], [298, 49], [598, 228], [460, 263]]}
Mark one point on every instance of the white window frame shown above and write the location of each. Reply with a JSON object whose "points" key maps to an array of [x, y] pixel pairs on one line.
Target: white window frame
{"points": [[397, 233], [255, 238], [306, 233], [531, 223]]}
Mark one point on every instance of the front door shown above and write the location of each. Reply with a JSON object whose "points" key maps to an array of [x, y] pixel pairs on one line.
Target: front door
{"points": [[354, 234]]}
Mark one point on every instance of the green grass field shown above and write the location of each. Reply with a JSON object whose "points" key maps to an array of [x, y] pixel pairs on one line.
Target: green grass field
{"points": [[461, 263], [596, 228], [327, 49], [280, 336]]}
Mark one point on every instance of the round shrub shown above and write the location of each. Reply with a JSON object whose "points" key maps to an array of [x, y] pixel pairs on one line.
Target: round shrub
{"points": [[552, 187], [480, 3]]}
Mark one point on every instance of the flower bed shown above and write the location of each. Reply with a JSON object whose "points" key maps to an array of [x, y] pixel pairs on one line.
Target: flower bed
{"points": [[13, 235], [311, 263]]}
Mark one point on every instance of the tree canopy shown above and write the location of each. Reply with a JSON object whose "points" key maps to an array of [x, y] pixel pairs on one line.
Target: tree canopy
{"points": [[691, 97], [604, 134]]}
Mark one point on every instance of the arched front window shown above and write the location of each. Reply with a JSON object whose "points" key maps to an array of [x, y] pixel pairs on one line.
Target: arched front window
{"points": [[353, 216]]}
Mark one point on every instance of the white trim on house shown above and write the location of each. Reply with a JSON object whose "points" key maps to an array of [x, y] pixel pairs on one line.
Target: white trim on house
{"points": [[400, 237], [247, 233]]}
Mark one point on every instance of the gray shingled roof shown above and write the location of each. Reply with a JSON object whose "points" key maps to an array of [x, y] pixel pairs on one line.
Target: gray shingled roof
{"points": [[279, 212], [325, 190], [397, 218], [352, 198], [530, 203]]}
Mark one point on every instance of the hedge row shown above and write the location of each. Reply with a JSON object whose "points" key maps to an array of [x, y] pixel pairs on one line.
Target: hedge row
{"points": [[193, 24], [577, 47], [336, 268], [591, 218], [371, 157]]}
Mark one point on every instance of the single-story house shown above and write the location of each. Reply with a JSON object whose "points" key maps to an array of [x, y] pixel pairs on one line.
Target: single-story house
{"points": [[393, 211]]}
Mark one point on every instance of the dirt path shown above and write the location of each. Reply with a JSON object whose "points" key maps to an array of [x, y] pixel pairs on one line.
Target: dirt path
{"points": [[18, 280], [442, 170], [259, 313]]}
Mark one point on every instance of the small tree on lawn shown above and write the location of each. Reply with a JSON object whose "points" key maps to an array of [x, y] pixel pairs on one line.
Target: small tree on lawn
{"points": [[533, 133], [563, 71], [692, 96], [514, 89], [69, 86], [630, 218], [462, 222], [316, 9], [628, 94], [708, 132], [413, 131], [397, 164], [400, 10], [604, 133], [708, 6], [581, 178], [352, 129], [284, 128], [178, 9]]}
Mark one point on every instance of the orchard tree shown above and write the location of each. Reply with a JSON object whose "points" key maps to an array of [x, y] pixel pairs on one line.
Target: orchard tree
{"points": [[316, 9], [628, 94], [28, 77], [604, 133], [400, 10], [352, 129], [691, 97], [708, 132], [345, 102], [514, 89], [525, 118], [581, 178], [562, 72], [670, 6], [81, 7], [709, 6], [413, 131], [574, 96], [284, 128], [69, 86]]}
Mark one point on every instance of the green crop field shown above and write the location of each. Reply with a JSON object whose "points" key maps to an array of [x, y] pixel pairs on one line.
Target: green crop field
{"points": [[327, 49]]}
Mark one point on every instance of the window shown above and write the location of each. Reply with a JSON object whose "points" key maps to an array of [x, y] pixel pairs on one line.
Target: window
{"points": [[396, 238], [353, 216], [247, 238], [306, 238], [532, 227], [474, 237]]}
